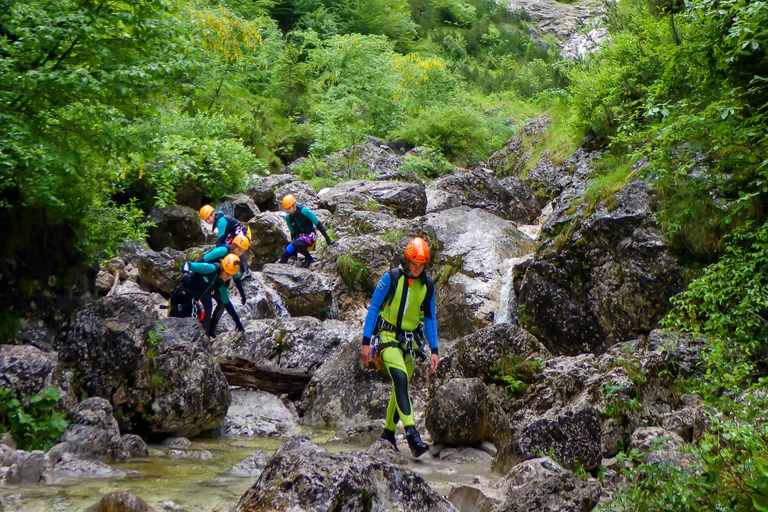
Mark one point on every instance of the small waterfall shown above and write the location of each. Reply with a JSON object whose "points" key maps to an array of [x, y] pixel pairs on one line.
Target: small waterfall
{"points": [[507, 312], [277, 301]]}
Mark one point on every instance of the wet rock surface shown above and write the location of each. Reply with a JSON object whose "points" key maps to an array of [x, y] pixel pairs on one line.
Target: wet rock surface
{"points": [[305, 292], [314, 480], [407, 200], [177, 227], [257, 413]]}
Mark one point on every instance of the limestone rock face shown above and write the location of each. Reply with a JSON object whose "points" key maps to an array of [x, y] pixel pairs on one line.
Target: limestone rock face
{"points": [[343, 394], [479, 189], [93, 432], [191, 392], [573, 434], [301, 342], [440, 200], [473, 246], [241, 207], [161, 271], [306, 293], [511, 160], [257, 413], [302, 479], [302, 191], [541, 484], [164, 382], [26, 370], [607, 283], [463, 412], [407, 200], [177, 227], [270, 237]]}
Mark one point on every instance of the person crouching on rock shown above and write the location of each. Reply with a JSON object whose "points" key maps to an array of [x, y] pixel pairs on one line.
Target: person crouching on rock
{"points": [[208, 281], [301, 222], [227, 228], [403, 296], [238, 247]]}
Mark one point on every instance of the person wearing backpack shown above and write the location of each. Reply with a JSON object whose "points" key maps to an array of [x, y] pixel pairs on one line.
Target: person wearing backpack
{"points": [[227, 228], [208, 281], [403, 297], [301, 223], [238, 247]]}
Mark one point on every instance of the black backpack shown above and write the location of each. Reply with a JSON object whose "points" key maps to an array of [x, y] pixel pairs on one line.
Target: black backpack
{"points": [[182, 304]]}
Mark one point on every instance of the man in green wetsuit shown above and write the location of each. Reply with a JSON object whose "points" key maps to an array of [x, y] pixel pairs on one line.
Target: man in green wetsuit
{"points": [[402, 298], [301, 222], [208, 281]]}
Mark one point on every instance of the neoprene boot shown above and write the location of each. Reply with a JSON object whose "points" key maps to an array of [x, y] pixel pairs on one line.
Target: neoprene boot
{"points": [[389, 435], [418, 447], [307, 262]]}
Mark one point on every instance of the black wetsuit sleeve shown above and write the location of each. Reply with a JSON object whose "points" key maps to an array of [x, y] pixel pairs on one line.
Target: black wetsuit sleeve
{"points": [[239, 286], [321, 228], [233, 314]]}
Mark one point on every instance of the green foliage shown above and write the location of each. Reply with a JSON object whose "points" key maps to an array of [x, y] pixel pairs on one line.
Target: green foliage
{"points": [[729, 472], [428, 164], [730, 303], [516, 372], [457, 129], [110, 227], [34, 423], [687, 93], [394, 236], [617, 405], [351, 270]]}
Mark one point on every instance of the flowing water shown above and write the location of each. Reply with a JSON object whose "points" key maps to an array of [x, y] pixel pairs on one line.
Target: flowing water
{"points": [[507, 312], [188, 485]]}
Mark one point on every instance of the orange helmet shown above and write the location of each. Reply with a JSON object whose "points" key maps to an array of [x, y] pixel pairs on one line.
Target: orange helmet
{"points": [[288, 201], [417, 250], [231, 264], [206, 211], [241, 241]]}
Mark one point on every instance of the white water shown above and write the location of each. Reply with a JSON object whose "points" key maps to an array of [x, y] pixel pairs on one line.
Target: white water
{"points": [[507, 312]]}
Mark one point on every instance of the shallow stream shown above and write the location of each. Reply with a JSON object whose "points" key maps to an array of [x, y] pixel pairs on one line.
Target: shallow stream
{"points": [[190, 485]]}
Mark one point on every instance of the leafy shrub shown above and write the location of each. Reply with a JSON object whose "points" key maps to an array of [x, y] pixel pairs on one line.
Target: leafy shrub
{"points": [[111, 226], [35, 423], [428, 163]]}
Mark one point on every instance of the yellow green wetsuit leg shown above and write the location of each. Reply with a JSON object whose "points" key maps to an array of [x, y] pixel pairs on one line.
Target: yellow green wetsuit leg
{"points": [[400, 367]]}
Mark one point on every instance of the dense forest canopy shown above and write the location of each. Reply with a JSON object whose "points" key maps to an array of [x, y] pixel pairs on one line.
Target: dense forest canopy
{"points": [[110, 108]]}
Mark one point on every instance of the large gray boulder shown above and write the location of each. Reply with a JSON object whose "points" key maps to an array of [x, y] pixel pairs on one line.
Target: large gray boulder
{"points": [[473, 245], [542, 484], [257, 413], [370, 220], [177, 227], [342, 393], [161, 271], [241, 207], [27, 370], [301, 191], [479, 189], [120, 502], [605, 278], [301, 342], [270, 237], [160, 376], [93, 432], [312, 480], [463, 412], [306, 293], [191, 392], [407, 200]]}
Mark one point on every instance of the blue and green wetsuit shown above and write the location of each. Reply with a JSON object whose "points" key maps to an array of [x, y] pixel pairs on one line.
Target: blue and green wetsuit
{"points": [[203, 283], [301, 224], [409, 303], [227, 229], [216, 255]]}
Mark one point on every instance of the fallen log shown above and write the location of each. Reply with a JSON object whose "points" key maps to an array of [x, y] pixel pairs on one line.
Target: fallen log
{"points": [[249, 374]]}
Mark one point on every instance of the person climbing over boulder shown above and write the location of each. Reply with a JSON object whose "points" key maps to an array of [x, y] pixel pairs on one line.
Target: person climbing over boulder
{"points": [[301, 222], [208, 281], [238, 247], [402, 298], [227, 228]]}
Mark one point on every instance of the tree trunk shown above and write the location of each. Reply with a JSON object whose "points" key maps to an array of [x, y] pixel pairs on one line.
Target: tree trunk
{"points": [[246, 373]]}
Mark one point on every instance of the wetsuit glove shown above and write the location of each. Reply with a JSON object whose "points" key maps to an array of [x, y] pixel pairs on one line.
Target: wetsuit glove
{"points": [[239, 286], [239, 327]]}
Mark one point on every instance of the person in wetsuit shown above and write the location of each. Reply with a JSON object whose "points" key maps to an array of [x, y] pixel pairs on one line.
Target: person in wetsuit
{"points": [[301, 223], [227, 228], [208, 281], [403, 297]]}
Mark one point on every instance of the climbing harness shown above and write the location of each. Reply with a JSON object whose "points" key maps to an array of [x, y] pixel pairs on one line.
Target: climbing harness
{"points": [[310, 239], [410, 342]]}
